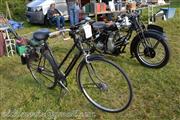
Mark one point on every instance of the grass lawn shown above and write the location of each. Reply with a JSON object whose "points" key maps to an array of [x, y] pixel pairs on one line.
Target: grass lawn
{"points": [[156, 91]]}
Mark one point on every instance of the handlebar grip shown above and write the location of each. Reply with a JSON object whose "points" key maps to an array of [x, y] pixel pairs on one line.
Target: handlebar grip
{"points": [[54, 33]]}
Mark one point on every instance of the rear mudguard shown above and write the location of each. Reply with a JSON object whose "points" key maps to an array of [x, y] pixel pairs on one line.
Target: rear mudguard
{"points": [[139, 36]]}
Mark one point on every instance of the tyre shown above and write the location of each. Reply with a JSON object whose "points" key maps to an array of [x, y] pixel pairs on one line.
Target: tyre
{"points": [[155, 53], [43, 69], [104, 84]]}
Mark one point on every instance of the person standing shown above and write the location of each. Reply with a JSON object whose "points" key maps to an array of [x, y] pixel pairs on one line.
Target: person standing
{"points": [[73, 10], [56, 17]]}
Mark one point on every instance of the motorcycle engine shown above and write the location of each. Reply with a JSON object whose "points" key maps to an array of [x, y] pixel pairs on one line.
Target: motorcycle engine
{"points": [[113, 37], [108, 41], [100, 45], [108, 45], [100, 41]]}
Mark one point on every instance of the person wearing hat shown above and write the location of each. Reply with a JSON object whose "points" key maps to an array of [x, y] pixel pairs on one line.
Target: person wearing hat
{"points": [[55, 16]]}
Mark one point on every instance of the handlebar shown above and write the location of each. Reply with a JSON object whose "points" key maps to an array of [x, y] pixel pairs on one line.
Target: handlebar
{"points": [[73, 29], [58, 32]]}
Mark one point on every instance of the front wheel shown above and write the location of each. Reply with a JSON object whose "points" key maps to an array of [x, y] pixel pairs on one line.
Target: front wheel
{"points": [[105, 84], [152, 51]]}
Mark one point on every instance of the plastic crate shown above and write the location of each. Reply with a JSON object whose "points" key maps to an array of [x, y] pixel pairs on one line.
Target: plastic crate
{"points": [[98, 7], [169, 12], [21, 50], [87, 8], [103, 7]]}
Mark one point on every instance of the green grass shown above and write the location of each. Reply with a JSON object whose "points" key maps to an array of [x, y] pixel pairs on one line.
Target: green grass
{"points": [[156, 91]]}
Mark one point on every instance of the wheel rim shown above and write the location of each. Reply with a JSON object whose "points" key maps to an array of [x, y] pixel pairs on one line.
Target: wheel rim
{"points": [[42, 71], [153, 54], [111, 95]]}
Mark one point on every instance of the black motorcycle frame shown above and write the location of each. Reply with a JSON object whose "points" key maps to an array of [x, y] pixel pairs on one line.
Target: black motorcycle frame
{"points": [[137, 26]]}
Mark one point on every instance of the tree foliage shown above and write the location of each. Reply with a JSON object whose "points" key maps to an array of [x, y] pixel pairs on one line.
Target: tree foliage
{"points": [[17, 8]]}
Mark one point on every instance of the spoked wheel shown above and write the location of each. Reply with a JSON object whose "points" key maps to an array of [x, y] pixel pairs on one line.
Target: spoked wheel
{"points": [[42, 69], [105, 84], [153, 51]]}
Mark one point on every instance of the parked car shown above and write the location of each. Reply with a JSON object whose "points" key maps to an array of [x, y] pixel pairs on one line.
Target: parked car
{"points": [[37, 10]]}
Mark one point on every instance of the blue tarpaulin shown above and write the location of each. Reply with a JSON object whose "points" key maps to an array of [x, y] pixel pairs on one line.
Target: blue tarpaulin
{"points": [[15, 25]]}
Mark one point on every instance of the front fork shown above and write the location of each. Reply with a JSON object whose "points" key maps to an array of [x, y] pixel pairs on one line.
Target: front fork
{"points": [[140, 29]]}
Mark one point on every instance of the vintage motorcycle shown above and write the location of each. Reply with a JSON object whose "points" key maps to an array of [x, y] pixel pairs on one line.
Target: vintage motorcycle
{"points": [[149, 46]]}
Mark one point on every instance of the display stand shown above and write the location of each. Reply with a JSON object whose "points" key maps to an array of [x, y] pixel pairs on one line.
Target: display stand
{"points": [[106, 12], [10, 44], [151, 8]]}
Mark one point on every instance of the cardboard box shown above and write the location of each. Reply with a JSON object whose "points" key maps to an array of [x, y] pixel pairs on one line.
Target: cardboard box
{"points": [[2, 44], [98, 7], [131, 6], [3, 20], [103, 7]]}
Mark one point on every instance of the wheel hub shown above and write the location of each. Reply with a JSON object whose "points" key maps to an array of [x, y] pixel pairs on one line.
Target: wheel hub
{"points": [[102, 86], [149, 52], [40, 69]]}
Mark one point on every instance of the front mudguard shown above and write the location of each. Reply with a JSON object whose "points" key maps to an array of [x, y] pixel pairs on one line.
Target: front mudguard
{"points": [[89, 58], [92, 57], [157, 29], [139, 36]]}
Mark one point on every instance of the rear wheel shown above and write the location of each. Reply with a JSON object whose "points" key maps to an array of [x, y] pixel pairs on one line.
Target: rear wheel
{"points": [[105, 84], [42, 68], [152, 51]]}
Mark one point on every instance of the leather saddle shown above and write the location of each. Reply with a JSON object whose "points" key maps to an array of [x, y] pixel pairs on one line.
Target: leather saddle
{"points": [[103, 25], [99, 25], [42, 34]]}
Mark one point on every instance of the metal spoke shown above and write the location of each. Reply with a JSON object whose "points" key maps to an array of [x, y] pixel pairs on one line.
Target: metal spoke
{"points": [[155, 46], [92, 84], [47, 78], [33, 64], [95, 73], [34, 68], [148, 41], [50, 75], [47, 70], [90, 75], [141, 54]]}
